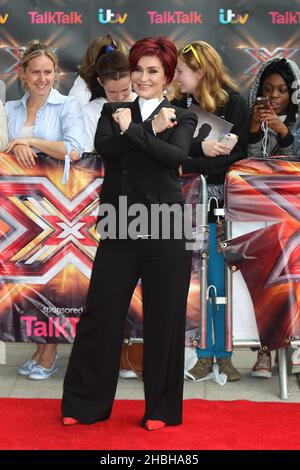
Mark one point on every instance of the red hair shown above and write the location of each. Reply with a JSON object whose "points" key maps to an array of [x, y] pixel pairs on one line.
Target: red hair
{"points": [[160, 47]]}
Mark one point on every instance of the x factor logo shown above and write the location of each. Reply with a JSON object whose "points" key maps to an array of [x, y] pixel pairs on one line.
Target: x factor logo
{"points": [[48, 242], [16, 53], [42, 231], [262, 54], [283, 192]]}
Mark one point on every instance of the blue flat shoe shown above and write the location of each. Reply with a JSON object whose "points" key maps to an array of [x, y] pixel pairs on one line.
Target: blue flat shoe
{"points": [[28, 367], [41, 373]]}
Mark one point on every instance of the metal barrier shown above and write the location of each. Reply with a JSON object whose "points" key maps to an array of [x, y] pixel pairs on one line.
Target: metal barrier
{"points": [[204, 256]]}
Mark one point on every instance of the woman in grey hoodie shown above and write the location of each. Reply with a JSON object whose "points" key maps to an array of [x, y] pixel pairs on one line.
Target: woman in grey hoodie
{"points": [[273, 121], [273, 131]]}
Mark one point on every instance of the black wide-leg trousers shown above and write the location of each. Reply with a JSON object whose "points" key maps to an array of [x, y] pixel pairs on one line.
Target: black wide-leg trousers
{"points": [[91, 379]]}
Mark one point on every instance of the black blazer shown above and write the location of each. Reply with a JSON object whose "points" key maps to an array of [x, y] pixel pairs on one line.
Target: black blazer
{"points": [[139, 164]]}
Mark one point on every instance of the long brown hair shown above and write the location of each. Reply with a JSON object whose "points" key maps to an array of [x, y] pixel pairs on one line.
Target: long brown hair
{"points": [[92, 53], [211, 92], [113, 65]]}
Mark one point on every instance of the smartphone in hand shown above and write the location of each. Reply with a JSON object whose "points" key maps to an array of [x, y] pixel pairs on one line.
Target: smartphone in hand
{"points": [[263, 100], [229, 140]]}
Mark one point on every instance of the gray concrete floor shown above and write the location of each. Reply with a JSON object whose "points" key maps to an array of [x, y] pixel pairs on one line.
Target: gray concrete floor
{"points": [[248, 388]]}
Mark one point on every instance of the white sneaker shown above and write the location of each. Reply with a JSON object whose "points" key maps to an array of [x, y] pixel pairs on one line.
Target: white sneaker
{"points": [[263, 366], [296, 361], [127, 374]]}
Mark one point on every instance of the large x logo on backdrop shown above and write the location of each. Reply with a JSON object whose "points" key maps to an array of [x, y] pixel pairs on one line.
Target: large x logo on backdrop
{"points": [[269, 257], [16, 53], [284, 193], [38, 222], [262, 54]]}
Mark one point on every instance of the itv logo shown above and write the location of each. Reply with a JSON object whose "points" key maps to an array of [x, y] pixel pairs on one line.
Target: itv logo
{"points": [[3, 18], [228, 17], [106, 16]]}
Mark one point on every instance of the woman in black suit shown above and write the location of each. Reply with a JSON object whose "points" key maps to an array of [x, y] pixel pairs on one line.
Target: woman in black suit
{"points": [[143, 144]]}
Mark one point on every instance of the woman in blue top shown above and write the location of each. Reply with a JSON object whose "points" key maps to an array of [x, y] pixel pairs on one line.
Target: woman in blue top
{"points": [[43, 121]]}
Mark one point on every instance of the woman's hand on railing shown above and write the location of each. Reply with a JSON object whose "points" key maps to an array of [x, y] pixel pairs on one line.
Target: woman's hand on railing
{"points": [[74, 155], [14, 142], [25, 156]]}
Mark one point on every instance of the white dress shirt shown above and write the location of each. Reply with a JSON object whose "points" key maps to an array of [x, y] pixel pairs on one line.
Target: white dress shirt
{"points": [[80, 91], [59, 119], [148, 106], [92, 112]]}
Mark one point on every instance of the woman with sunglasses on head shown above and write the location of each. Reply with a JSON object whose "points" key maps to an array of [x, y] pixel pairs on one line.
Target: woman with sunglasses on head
{"points": [[86, 86], [142, 143], [203, 81], [114, 85]]}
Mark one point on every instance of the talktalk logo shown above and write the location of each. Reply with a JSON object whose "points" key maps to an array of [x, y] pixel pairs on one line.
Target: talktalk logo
{"points": [[3, 18], [55, 17], [107, 16], [175, 17], [286, 17], [228, 17]]}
